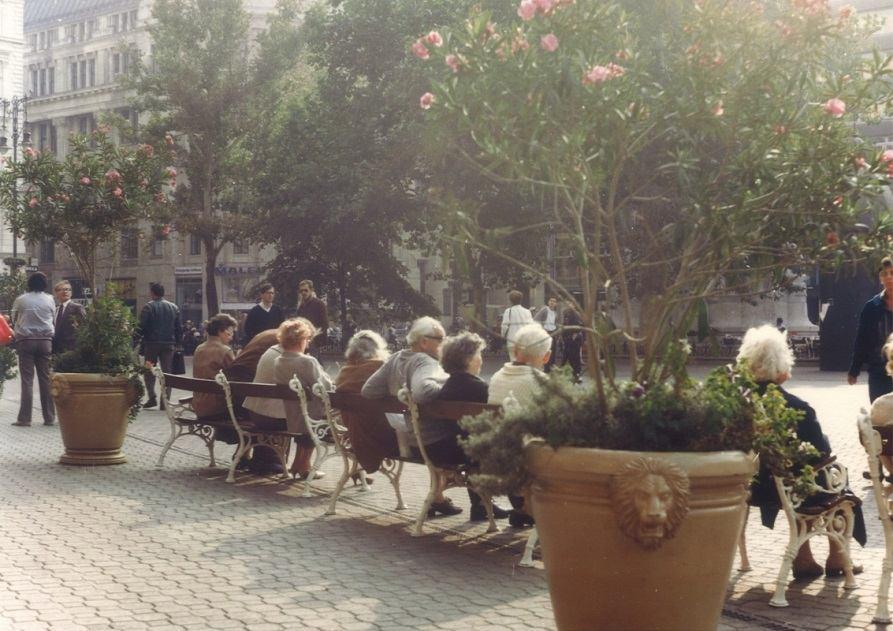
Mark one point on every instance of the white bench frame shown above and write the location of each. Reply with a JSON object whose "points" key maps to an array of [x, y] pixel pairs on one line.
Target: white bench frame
{"points": [[873, 444], [440, 478]]}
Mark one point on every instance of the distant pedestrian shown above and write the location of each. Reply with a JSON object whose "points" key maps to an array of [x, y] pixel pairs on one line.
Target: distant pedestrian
{"points": [[161, 331], [779, 324], [548, 318], [264, 315], [573, 341], [32, 320], [313, 309], [69, 315], [513, 318]]}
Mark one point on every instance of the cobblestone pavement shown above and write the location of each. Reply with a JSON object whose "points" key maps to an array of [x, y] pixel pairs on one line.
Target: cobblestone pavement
{"points": [[134, 547]]}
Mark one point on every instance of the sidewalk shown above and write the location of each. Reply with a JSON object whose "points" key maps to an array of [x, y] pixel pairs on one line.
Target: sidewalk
{"points": [[134, 547]]}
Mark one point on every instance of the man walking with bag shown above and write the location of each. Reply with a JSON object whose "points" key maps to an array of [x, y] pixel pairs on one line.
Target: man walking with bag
{"points": [[160, 330]]}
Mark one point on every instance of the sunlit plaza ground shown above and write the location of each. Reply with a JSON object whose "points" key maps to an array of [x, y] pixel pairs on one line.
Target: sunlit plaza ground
{"points": [[135, 547]]}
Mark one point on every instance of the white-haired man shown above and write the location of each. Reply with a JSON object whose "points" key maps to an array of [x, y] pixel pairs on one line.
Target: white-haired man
{"points": [[518, 378], [419, 368]]}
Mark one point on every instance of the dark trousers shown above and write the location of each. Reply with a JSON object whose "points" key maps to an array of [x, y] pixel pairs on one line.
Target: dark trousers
{"points": [[447, 452], [879, 384], [573, 355], [35, 354], [155, 353]]}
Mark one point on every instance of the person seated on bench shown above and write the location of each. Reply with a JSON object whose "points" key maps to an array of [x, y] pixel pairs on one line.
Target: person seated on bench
{"points": [[461, 359], [210, 357], [882, 407], [520, 379], [419, 368], [371, 436], [768, 355], [278, 365]]}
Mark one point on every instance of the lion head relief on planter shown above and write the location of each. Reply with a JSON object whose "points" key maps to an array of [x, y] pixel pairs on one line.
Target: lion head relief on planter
{"points": [[650, 499]]}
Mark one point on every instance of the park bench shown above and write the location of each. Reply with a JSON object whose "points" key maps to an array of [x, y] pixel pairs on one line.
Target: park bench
{"points": [[184, 421], [828, 512], [878, 441], [443, 477]]}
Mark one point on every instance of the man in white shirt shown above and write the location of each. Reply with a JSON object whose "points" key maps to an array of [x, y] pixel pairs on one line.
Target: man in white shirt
{"points": [[548, 317], [514, 318]]}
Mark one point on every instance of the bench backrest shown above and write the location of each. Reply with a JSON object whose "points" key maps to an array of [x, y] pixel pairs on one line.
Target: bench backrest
{"points": [[455, 410], [238, 388], [191, 384], [354, 402]]}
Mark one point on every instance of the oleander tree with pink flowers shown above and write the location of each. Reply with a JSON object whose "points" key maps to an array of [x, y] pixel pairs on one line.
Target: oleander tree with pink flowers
{"points": [[683, 149], [84, 200]]}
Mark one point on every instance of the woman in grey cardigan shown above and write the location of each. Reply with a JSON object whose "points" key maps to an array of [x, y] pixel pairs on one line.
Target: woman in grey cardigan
{"points": [[32, 319]]}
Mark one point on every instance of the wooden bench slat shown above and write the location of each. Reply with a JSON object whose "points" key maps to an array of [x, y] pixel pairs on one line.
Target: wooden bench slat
{"points": [[190, 383], [353, 402], [264, 390]]}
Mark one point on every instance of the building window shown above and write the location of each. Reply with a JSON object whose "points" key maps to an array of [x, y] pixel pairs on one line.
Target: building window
{"points": [[82, 32], [35, 84], [116, 64], [42, 40], [73, 75], [52, 37], [33, 41], [83, 76], [133, 19], [124, 20], [195, 245], [240, 247], [113, 23], [48, 251], [157, 250], [129, 244], [51, 80], [91, 72]]}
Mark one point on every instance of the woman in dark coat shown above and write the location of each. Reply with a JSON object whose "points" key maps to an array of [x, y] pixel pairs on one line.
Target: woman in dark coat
{"points": [[767, 353], [461, 359], [371, 436]]}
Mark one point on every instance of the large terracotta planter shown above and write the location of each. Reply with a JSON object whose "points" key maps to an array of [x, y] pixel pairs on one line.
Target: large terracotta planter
{"points": [[92, 411], [637, 540]]}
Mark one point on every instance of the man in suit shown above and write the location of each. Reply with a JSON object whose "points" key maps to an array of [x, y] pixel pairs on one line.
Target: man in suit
{"points": [[68, 317]]}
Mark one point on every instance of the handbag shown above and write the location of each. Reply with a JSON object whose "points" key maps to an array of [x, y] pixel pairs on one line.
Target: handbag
{"points": [[178, 363], [5, 332]]}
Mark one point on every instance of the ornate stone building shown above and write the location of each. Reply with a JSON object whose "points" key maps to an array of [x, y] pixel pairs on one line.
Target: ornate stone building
{"points": [[11, 50], [76, 53]]}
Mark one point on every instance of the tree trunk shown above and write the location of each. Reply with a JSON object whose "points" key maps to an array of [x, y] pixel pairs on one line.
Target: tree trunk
{"points": [[210, 277]]}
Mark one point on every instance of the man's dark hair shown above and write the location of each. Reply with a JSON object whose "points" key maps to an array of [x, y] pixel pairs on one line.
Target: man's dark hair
{"points": [[157, 289], [885, 263], [37, 282], [515, 297]]}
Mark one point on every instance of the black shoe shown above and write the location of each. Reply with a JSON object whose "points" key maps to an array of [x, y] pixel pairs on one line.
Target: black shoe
{"points": [[49, 423], [151, 403], [479, 512], [520, 520], [446, 507], [21, 424]]}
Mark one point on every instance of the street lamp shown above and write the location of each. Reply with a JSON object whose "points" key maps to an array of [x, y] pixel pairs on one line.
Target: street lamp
{"points": [[13, 108]]}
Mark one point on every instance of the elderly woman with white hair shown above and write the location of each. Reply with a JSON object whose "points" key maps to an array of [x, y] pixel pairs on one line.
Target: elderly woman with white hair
{"points": [[371, 436], [417, 367], [518, 378], [766, 352]]}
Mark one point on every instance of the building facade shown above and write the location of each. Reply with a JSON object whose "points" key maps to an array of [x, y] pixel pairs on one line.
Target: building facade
{"points": [[76, 55], [11, 86]]}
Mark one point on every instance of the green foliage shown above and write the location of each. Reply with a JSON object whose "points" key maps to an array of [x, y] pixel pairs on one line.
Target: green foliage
{"points": [[197, 93], [11, 287], [105, 346], [8, 363], [726, 412], [85, 199], [682, 150]]}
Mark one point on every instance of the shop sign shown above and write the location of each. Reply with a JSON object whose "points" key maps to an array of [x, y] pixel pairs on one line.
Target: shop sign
{"points": [[188, 270], [237, 270]]}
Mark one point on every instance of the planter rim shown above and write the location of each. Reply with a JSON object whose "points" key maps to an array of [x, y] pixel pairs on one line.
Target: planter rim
{"points": [[89, 376], [607, 461]]}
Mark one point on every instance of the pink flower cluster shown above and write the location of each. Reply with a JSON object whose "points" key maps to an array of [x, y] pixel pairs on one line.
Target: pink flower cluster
{"points": [[426, 101], [835, 107], [419, 47], [812, 7], [887, 161], [549, 42], [30, 152], [529, 8], [112, 175], [600, 74], [453, 62]]}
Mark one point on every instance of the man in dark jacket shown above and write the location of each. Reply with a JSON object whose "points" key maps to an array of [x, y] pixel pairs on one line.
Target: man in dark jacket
{"points": [[875, 326], [68, 316], [264, 315], [160, 330], [314, 309]]}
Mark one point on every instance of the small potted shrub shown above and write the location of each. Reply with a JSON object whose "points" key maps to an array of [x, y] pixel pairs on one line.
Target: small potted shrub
{"points": [[680, 150], [97, 387]]}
